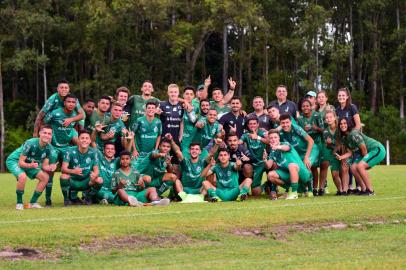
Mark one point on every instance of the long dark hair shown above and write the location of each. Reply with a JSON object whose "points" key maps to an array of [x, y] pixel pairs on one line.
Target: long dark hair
{"points": [[340, 146], [349, 99]]}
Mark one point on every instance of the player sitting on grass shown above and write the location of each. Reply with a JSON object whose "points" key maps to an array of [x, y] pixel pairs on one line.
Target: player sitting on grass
{"points": [[129, 185], [158, 166], [372, 153], [291, 169], [80, 171], [32, 160], [226, 172], [191, 168]]}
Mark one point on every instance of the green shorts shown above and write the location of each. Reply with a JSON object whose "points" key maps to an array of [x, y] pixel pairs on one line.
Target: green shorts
{"points": [[156, 182], [258, 169], [304, 175], [229, 194], [16, 170], [375, 156], [328, 155], [190, 190], [140, 196], [285, 177], [105, 193], [314, 156], [79, 184]]}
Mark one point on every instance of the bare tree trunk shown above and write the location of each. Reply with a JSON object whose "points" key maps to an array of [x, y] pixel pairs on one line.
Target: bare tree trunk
{"points": [[351, 56], [266, 74], [2, 123], [249, 68], [44, 72], [225, 58], [36, 84], [401, 69], [242, 59], [375, 66]]}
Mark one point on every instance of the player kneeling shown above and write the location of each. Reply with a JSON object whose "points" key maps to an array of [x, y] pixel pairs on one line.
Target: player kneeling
{"points": [[80, 172], [290, 168], [226, 172], [128, 185], [32, 160]]}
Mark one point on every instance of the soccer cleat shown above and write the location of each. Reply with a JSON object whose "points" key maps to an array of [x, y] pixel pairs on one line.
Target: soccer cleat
{"points": [[182, 195], [344, 193], [132, 201], [161, 202], [19, 206], [273, 196], [34, 206], [292, 196], [48, 204], [104, 202], [321, 192], [338, 193], [315, 193], [309, 194], [370, 193], [242, 197], [215, 199]]}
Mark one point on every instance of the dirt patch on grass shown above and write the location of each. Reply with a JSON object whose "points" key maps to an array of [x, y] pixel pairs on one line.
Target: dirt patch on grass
{"points": [[23, 253], [136, 242], [282, 232]]}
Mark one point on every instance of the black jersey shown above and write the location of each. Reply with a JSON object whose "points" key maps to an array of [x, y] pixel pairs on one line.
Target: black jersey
{"points": [[229, 119], [171, 117]]}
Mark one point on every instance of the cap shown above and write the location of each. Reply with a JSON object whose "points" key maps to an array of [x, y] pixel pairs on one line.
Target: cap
{"points": [[311, 93], [200, 87]]}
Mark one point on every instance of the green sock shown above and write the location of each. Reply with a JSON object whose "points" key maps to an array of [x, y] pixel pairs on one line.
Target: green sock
{"points": [[294, 187], [19, 195], [94, 190], [212, 192], [48, 189], [244, 190], [35, 196], [65, 188], [73, 194], [310, 186]]}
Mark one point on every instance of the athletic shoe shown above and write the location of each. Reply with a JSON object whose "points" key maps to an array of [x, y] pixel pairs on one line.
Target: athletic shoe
{"points": [[315, 193], [273, 196], [182, 195], [292, 196], [77, 201], [363, 193], [48, 204], [308, 194], [326, 191], [161, 202], [215, 199], [132, 201], [321, 192], [370, 193], [242, 197], [19, 206], [338, 193], [344, 193], [353, 191], [104, 202], [34, 206]]}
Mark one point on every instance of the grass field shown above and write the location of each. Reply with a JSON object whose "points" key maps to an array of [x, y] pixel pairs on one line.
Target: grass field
{"points": [[354, 232]]}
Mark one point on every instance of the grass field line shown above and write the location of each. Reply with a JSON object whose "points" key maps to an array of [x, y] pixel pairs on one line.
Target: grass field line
{"points": [[58, 219]]}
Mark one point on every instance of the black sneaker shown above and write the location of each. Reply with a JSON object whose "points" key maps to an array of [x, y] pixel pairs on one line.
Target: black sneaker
{"points": [[315, 193], [353, 191], [370, 193], [77, 201], [321, 192], [344, 193], [338, 193], [48, 203], [363, 193]]}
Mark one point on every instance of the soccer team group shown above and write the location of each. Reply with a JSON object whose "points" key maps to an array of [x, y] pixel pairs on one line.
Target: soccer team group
{"points": [[137, 150]]}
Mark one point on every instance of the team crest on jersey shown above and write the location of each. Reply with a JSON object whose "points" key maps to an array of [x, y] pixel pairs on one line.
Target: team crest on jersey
{"points": [[88, 160], [155, 129], [43, 155], [198, 168], [57, 114], [174, 109], [75, 160], [228, 173], [143, 129]]}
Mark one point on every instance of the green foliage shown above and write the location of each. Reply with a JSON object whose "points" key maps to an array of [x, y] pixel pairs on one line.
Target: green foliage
{"points": [[15, 137]]}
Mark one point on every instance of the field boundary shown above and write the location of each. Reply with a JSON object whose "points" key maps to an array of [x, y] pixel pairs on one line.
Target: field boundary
{"points": [[226, 209]]}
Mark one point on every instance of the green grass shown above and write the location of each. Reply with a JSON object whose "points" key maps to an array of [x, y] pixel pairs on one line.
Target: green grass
{"points": [[202, 236]]}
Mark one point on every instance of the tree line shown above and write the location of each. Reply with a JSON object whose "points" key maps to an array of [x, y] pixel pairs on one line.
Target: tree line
{"points": [[102, 44]]}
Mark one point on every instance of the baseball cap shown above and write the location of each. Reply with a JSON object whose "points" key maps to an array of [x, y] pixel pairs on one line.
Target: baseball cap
{"points": [[311, 93]]}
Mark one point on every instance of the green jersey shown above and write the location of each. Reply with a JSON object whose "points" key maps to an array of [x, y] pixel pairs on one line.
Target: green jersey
{"points": [[113, 126], [276, 123], [137, 104], [189, 130], [308, 123], [328, 134], [146, 134], [255, 147], [296, 138], [131, 180], [196, 104], [96, 118], [226, 177], [191, 172], [54, 102], [154, 167], [220, 110], [33, 152], [284, 158], [322, 113], [106, 168], [208, 132], [61, 135], [356, 138], [86, 161]]}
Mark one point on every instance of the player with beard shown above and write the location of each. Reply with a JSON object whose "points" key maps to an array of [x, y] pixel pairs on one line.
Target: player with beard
{"points": [[234, 121]]}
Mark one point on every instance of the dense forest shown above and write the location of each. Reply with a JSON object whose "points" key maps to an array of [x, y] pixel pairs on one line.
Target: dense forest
{"points": [[100, 45]]}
